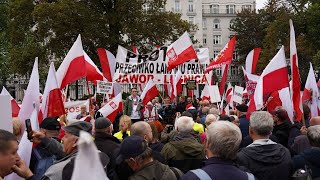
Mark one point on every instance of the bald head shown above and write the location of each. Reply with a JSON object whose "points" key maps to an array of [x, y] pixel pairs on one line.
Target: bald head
{"points": [[143, 130], [315, 121]]}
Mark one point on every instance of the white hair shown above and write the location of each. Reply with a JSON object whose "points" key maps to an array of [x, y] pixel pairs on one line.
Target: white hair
{"points": [[314, 135], [210, 118], [261, 122], [184, 124], [223, 139]]}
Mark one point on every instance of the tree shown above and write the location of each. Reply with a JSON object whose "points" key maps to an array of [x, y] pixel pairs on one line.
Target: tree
{"points": [[4, 68]]}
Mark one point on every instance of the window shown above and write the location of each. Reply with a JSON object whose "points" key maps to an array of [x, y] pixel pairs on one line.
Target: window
{"points": [[230, 9], [235, 55], [234, 70], [218, 71], [177, 5], [191, 20], [204, 23], [190, 5], [214, 9], [248, 7], [216, 24], [216, 39], [215, 54], [204, 39]]}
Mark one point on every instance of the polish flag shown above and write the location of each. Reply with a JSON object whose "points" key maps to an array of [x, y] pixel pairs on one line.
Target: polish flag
{"points": [[251, 83], [177, 84], [273, 78], [72, 67], [149, 92], [252, 60], [14, 105], [224, 70], [31, 96], [112, 107], [311, 93], [319, 83], [296, 98], [180, 51], [168, 90], [229, 94], [108, 63], [224, 57], [135, 50], [205, 94], [52, 102], [92, 72]]}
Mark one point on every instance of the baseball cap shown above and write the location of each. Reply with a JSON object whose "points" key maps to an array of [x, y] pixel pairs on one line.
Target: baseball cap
{"points": [[76, 127], [132, 147], [102, 123], [50, 123]]}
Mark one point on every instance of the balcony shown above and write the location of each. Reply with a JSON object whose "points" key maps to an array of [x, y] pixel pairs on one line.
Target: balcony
{"points": [[217, 13]]}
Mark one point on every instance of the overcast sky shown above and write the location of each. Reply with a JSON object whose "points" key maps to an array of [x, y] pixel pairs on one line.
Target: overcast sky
{"points": [[260, 3]]}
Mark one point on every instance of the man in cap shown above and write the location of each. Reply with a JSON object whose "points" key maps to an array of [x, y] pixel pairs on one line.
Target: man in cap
{"points": [[107, 143], [135, 151], [244, 122], [68, 150]]}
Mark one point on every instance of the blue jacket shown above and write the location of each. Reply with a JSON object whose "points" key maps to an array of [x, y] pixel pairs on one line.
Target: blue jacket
{"points": [[311, 158], [244, 126], [219, 169]]}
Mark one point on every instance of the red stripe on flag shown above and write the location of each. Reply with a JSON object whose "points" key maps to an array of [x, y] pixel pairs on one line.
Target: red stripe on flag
{"points": [[223, 80], [184, 56], [256, 53], [76, 70], [102, 53], [55, 103], [275, 80], [296, 98], [151, 93]]}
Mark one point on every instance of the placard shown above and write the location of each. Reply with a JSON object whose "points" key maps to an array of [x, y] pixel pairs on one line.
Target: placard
{"points": [[237, 94], [104, 87], [191, 84]]}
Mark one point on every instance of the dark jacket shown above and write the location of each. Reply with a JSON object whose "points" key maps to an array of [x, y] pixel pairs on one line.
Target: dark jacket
{"points": [[184, 152], [282, 132], [158, 146], [248, 140], [244, 126], [293, 133], [311, 158], [219, 169], [155, 171], [301, 143], [109, 145], [269, 162], [181, 107]]}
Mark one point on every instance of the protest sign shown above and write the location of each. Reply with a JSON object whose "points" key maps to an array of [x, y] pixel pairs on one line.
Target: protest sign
{"points": [[73, 108], [237, 94], [104, 87]]}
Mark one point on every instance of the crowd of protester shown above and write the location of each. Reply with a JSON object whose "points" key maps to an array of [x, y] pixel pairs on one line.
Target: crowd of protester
{"points": [[185, 138]]}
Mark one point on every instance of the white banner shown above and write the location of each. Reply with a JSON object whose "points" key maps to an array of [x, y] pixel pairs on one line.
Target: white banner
{"points": [[104, 87], [237, 94], [214, 94], [132, 68], [73, 108], [6, 114]]}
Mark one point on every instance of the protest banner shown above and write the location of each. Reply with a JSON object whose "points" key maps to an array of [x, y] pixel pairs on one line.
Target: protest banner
{"points": [[237, 94], [132, 68], [104, 87], [73, 108], [6, 114]]}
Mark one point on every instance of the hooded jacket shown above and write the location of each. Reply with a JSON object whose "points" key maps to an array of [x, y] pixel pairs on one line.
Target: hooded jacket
{"points": [[266, 160], [155, 171], [184, 152], [282, 132]]}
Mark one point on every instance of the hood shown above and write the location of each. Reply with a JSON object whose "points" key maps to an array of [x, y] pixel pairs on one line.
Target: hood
{"points": [[268, 154], [190, 147]]}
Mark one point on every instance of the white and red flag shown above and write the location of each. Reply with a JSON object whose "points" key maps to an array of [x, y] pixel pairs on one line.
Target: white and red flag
{"points": [[72, 67], [108, 63], [229, 94], [224, 57], [273, 78], [149, 92], [177, 84], [252, 60], [296, 97], [112, 107], [205, 95], [224, 73], [52, 102], [311, 93], [180, 51], [14, 105], [92, 71], [251, 83]]}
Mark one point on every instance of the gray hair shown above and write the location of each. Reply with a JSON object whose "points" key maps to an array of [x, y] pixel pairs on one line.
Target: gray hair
{"points": [[210, 118], [261, 122], [184, 124], [314, 135], [139, 128], [223, 139]]}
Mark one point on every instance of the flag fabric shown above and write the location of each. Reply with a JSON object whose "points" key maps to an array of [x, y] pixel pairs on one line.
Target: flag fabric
{"points": [[108, 63], [149, 92], [224, 72], [52, 102], [177, 84], [276, 69], [14, 105], [31, 96], [296, 97], [224, 57], [72, 67], [311, 93], [229, 94], [116, 89], [180, 51], [205, 95], [251, 82], [112, 107], [92, 71], [168, 89], [252, 60], [84, 163]]}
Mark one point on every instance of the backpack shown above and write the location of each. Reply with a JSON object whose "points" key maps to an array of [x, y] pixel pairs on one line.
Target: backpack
{"points": [[202, 175]]}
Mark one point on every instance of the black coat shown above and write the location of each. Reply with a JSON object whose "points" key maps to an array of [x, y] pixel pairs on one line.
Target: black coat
{"points": [[311, 158], [267, 162], [282, 132]]}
